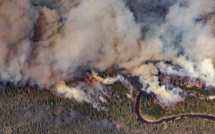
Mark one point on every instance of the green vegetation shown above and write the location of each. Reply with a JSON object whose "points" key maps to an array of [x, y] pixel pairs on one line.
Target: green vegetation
{"points": [[119, 89], [190, 104], [194, 105], [150, 108], [24, 111]]}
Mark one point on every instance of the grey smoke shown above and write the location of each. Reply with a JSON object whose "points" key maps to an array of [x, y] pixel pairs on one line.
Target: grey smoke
{"points": [[47, 42]]}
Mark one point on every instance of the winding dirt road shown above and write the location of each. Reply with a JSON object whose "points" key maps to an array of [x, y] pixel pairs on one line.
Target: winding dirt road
{"points": [[137, 110]]}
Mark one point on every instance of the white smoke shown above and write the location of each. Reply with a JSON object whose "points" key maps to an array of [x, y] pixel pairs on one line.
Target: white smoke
{"points": [[146, 73], [202, 69], [46, 42]]}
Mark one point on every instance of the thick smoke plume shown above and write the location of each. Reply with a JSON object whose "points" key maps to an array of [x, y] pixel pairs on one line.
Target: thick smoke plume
{"points": [[47, 43]]}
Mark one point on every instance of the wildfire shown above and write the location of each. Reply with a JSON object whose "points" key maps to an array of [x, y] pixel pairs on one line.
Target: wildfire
{"points": [[155, 100], [110, 96], [94, 79], [91, 83], [56, 96]]}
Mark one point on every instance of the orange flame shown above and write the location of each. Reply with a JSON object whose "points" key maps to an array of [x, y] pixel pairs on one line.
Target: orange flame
{"points": [[88, 81], [155, 100], [56, 96], [33, 90], [92, 83], [94, 79], [109, 95]]}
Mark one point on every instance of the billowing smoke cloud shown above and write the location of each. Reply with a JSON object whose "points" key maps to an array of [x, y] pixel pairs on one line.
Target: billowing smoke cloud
{"points": [[55, 43], [17, 20], [46, 43], [183, 33]]}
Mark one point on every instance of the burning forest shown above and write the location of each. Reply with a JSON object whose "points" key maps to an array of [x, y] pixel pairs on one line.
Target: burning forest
{"points": [[182, 81], [48, 47], [65, 46]]}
